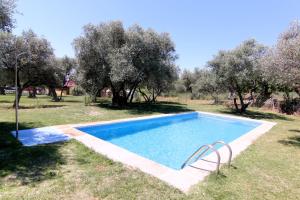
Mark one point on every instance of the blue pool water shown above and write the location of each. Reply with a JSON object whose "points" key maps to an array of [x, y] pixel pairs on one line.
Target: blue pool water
{"points": [[170, 140]]}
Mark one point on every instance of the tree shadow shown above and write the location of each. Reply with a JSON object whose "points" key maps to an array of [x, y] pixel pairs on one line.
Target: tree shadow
{"points": [[5, 101], [6, 138], [26, 164], [38, 106], [256, 115], [293, 140], [295, 130], [72, 101], [147, 108]]}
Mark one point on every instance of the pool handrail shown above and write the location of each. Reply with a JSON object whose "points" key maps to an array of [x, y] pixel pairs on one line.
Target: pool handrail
{"points": [[208, 146], [228, 147]]}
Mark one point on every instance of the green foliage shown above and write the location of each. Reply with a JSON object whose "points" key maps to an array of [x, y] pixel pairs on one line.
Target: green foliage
{"points": [[77, 91], [7, 9], [35, 59], [179, 86], [187, 79], [283, 61], [290, 106], [206, 84], [124, 60], [237, 70]]}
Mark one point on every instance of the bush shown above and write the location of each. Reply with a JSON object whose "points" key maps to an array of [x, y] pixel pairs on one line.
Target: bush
{"points": [[77, 92], [290, 106], [180, 88]]}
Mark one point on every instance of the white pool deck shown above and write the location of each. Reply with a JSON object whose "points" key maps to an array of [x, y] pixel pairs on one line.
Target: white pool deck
{"points": [[182, 179]]}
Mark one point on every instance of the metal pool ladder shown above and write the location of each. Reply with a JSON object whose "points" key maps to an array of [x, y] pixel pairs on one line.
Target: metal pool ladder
{"points": [[204, 148]]}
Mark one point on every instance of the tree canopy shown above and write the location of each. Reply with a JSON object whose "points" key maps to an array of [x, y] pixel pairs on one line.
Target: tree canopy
{"points": [[36, 64], [125, 60], [7, 9], [237, 69]]}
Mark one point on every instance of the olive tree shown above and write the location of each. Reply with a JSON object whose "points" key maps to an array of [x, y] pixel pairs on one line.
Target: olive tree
{"points": [[287, 58], [156, 64], [280, 66], [124, 60], [206, 84], [92, 50], [66, 67], [33, 66], [7, 9], [235, 69], [187, 79]]}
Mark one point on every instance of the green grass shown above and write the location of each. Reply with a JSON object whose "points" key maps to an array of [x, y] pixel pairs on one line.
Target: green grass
{"points": [[268, 169]]}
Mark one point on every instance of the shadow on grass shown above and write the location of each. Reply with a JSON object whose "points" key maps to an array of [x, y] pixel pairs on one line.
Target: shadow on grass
{"points": [[295, 130], [294, 141], [146, 108], [257, 115], [6, 138], [26, 164], [72, 101], [37, 106], [5, 101]]}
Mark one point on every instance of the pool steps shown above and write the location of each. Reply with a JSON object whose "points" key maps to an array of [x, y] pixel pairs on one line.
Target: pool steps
{"points": [[204, 148]]}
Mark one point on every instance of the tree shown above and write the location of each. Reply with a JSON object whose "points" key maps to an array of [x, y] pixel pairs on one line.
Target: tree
{"points": [[10, 47], [33, 66], [155, 63], [4, 80], [7, 9], [124, 60], [187, 80], [287, 58], [268, 76], [159, 82], [235, 70], [280, 66], [67, 68], [207, 84]]}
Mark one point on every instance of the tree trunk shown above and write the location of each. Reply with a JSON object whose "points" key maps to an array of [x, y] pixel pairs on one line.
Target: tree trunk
{"points": [[118, 100], [20, 91], [155, 95], [53, 94], [235, 104], [2, 91], [215, 98], [243, 105], [49, 92], [297, 90], [32, 93], [61, 93], [132, 95], [94, 98], [263, 96], [146, 98]]}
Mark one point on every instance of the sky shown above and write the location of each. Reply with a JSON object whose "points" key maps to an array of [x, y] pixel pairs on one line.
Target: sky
{"points": [[198, 28]]}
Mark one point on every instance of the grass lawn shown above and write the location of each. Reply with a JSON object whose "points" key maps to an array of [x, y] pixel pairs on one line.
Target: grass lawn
{"points": [[268, 169]]}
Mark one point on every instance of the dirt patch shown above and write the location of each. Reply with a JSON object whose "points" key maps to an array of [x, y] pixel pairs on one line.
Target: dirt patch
{"points": [[94, 113]]}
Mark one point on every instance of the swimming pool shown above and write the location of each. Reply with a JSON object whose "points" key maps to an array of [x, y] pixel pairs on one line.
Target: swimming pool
{"points": [[170, 140], [159, 144]]}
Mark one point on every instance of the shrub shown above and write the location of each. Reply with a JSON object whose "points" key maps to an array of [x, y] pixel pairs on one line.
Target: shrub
{"points": [[77, 91], [290, 106]]}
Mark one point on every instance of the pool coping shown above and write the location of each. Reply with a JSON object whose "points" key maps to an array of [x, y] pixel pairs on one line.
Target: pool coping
{"points": [[182, 179]]}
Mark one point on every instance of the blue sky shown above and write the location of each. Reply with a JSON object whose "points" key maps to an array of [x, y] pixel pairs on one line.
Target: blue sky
{"points": [[199, 29]]}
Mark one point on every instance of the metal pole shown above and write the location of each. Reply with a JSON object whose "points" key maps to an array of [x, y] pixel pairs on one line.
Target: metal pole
{"points": [[16, 97], [17, 94]]}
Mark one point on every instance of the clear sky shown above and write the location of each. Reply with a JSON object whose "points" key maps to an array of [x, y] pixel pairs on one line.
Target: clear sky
{"points": [[198, 28]]}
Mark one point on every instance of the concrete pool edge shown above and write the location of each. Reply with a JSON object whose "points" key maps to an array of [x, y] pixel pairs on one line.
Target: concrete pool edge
{"points": [[182, 179]]}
